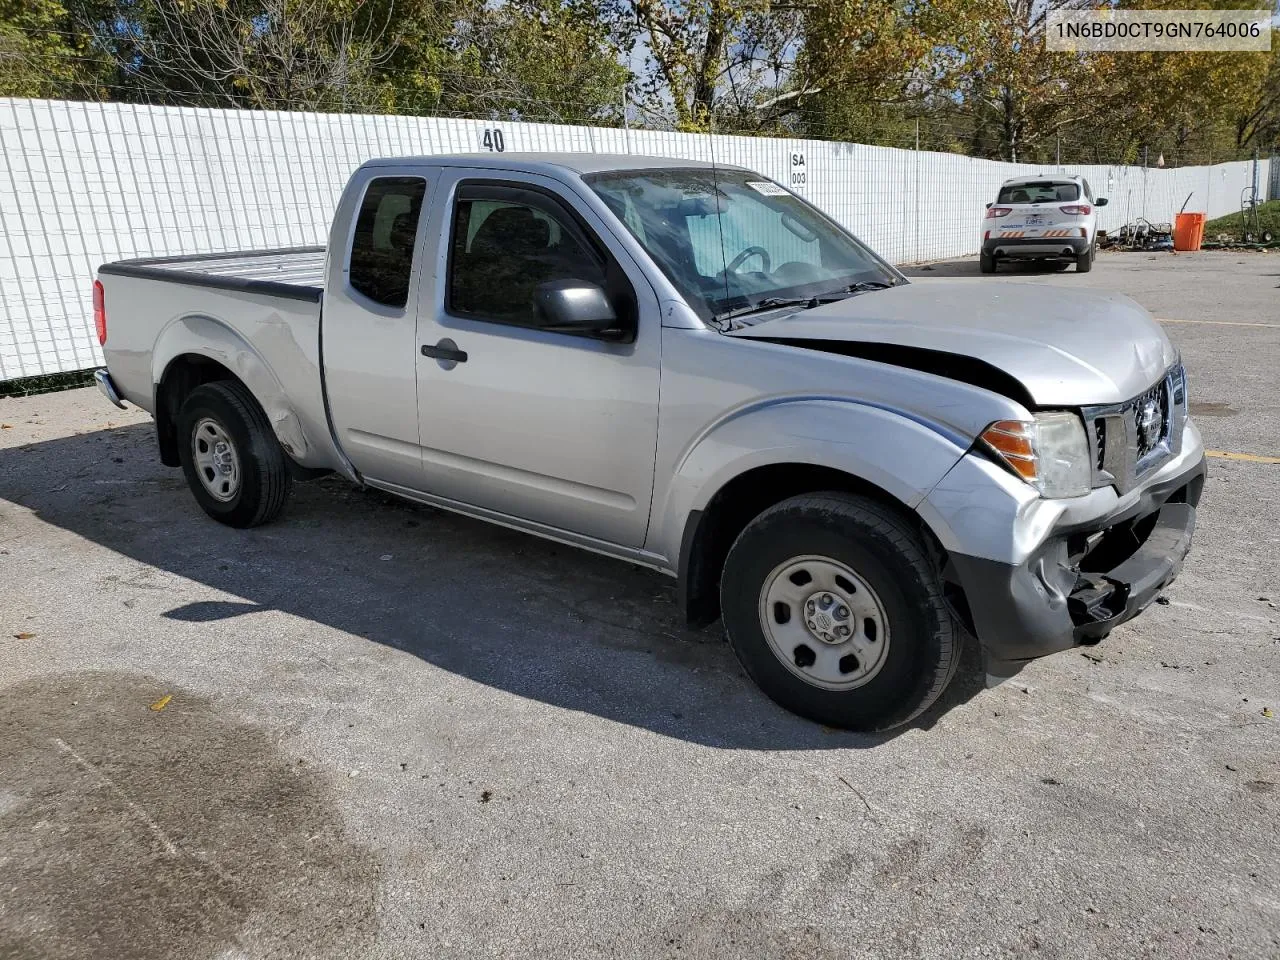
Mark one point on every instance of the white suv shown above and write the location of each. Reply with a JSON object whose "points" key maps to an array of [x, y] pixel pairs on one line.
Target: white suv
{"points": [[1042, 218]]}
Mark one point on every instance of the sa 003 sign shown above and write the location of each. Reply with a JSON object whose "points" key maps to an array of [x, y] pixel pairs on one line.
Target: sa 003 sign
{"points": [[799, 173]]}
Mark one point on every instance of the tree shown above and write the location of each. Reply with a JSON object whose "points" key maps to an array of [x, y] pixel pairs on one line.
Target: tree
{"points": [[1257, 122], [536, 60], [1019, 93], [43, 53], [686, 47], [265, 54], [867, 67]]}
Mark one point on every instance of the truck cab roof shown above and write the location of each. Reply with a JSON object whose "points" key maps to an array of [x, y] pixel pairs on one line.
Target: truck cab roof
{"points": [[549, 163]]}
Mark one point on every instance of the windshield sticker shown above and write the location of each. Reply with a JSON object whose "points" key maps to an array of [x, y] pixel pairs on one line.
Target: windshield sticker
{"points": [[768, 189]]}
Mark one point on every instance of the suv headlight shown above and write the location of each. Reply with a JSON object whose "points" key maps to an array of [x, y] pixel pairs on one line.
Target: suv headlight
{"points": [[1050, 452]]}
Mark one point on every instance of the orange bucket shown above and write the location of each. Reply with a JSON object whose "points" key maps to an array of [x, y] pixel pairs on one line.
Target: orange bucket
{"points": [[1188, 231]]}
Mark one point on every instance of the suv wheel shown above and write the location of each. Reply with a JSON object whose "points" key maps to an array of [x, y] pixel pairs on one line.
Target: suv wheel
{"points": [[987, 262], [232, 460], [1084, 261], [835, 609]]}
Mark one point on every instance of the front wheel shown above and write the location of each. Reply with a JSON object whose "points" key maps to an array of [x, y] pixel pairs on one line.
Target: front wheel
{"points": [[232, 459], [835, 609]]}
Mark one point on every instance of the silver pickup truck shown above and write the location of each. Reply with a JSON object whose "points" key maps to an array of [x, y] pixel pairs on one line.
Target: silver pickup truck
{"points": [[687, 367]]}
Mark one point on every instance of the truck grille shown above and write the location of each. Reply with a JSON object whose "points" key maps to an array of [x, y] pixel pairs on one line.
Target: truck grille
{"points": [[1129, 439], [1150, 415]]}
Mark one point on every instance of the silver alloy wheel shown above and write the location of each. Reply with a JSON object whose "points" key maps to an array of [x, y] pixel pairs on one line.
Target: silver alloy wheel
{"points": [[216, 459], [824, 622]]}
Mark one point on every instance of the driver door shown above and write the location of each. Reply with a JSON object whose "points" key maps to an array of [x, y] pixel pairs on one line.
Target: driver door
{"points": [[533, 424]]}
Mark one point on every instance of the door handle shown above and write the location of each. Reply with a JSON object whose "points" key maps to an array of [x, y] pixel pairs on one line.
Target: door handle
{"points": [[445, 350]]}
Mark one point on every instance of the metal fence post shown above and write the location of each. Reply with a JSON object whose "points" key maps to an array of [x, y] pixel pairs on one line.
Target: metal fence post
{"points": [[917, 215]]}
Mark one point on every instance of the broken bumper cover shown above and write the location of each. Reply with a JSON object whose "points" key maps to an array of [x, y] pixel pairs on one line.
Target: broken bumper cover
{"points": [[1083, 581]]}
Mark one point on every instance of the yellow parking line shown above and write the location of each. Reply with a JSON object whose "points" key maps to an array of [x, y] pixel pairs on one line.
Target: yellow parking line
{"points": [[1219, 323], [1250, 457]]}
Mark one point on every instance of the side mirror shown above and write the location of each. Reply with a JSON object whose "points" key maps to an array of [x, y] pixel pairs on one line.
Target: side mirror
{"points": [[579, 307], [1100, 202], [989, 206]]}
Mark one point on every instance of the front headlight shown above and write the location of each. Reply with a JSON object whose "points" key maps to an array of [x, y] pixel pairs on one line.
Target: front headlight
{"points": [[1050, 452]]}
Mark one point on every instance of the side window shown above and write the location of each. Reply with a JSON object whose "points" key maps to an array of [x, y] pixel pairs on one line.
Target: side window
{"points": [[382, 248], [502, 250], [1088, 191]]}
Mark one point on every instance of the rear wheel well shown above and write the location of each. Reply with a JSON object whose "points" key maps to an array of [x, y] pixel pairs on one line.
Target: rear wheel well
{"points": [[184, 374], [710, 532]]}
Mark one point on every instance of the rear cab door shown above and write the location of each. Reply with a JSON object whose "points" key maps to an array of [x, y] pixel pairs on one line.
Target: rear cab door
{"points": [[369, 330], [1051, 209], [548, 427]]}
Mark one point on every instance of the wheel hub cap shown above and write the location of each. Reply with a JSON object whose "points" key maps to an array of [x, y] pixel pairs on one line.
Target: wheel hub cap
{"points": [[824, 622], [827, 617], [216, 461]]}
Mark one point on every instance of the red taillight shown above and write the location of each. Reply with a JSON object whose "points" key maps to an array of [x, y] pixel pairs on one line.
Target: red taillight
{"points": [[1077, 210], [100, 312], [993, 212]]}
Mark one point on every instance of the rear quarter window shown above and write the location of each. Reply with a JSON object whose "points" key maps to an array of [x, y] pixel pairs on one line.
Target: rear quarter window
{"points": [[382, 247]]}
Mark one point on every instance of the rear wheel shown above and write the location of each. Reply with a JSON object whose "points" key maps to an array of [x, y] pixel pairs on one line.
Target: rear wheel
{"points": [[987, 262], [1084, 261], [835, 609], [232, 460]]}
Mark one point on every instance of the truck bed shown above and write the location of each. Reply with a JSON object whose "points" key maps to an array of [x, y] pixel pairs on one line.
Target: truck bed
{"points": [[293, 272]]}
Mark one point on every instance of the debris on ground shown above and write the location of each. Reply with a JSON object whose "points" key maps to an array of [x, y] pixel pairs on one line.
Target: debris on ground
{"points": [[1140, 234], [161, 703], [1162, 600], [486, 796], [24, 636]]}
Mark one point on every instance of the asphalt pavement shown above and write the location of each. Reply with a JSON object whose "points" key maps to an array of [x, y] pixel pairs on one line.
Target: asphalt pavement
{"points": [[376, 730]]}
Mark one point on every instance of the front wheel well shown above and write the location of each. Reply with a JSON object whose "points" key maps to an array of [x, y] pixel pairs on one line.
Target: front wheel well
{"points": [[710, 533], [183, 374]]}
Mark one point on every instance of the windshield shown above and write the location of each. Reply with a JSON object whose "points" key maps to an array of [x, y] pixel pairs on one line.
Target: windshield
{"points": [[732, 241], [1046, 191]]}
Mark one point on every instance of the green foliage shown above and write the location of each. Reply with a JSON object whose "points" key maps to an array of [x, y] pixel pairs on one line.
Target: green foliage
{"points": [[1233, 223]]}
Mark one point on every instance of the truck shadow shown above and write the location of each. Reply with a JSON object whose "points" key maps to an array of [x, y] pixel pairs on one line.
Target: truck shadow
{"points": [[510, 611]]}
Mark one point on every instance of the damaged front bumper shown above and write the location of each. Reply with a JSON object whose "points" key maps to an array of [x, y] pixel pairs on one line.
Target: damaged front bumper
{"points": [[1084, 575]]}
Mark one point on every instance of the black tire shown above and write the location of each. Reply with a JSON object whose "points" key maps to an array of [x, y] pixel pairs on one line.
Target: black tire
{"points": [[987, 262], [872, 540], [263, 471], [1084, 261]]}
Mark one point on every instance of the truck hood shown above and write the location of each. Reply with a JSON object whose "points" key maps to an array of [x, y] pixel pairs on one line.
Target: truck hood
{"points": [[1062, 347]]}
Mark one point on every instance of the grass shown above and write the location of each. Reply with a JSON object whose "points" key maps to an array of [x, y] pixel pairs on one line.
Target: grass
{"points": [[1233, 224]]}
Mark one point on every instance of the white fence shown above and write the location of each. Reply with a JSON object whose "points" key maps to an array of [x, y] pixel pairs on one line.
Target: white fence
{"points": [[85, 183]]}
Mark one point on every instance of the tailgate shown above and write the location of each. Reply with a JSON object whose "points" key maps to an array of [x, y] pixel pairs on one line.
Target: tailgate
{"points": [[1033, 220]]}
